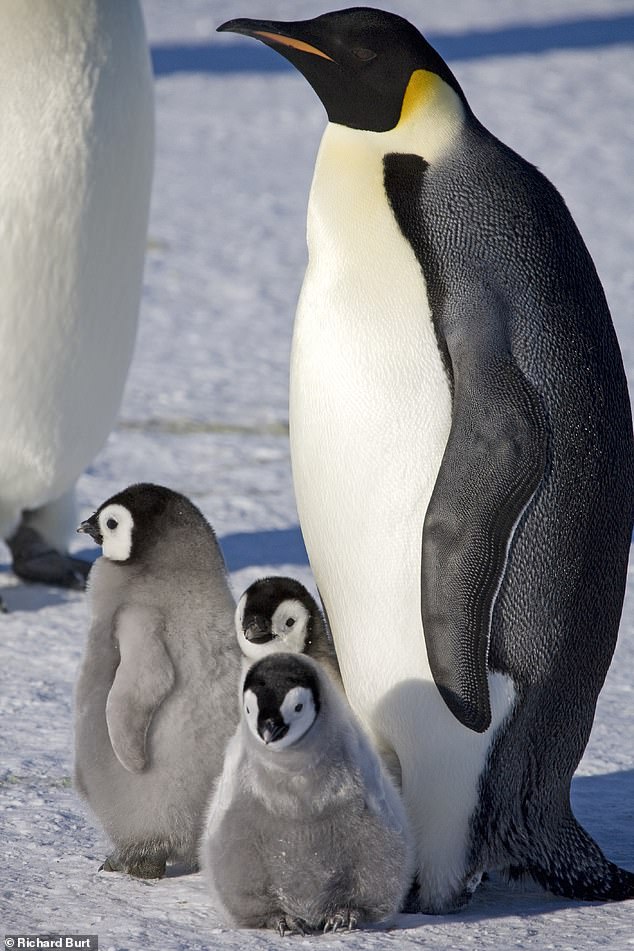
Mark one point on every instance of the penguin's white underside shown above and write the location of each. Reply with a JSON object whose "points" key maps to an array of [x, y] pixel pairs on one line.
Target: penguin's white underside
{"points": [[77, 152], [370, 415]]}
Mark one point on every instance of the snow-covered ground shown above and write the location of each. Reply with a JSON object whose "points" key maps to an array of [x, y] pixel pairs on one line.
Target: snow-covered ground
{"points": [[205, 411]]}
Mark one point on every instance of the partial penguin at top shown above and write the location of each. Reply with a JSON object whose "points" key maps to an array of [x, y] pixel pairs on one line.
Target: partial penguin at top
{"points": [[462, 456], [76, 160]]}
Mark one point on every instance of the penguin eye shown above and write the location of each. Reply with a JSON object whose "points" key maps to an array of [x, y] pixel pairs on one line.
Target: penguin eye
{"points": [[112, 524], [290, 622], [299, 707], [366, 55], [248, 711]]}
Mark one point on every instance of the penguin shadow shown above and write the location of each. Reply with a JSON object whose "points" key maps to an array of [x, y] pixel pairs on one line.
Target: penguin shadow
{"points": [[275, 547]]}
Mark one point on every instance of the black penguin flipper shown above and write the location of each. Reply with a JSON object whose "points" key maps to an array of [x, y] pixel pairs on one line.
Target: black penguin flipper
{"points": [[494, 459]]}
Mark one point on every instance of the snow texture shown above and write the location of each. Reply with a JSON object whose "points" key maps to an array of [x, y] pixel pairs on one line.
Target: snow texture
{"points": [[205, 412]]}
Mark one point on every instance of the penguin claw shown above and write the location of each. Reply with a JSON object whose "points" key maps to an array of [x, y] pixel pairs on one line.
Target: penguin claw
{"points": [[341, 921], [287, 925], [144, 868]]}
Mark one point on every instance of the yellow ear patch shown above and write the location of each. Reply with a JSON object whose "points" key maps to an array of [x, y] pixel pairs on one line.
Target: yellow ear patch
{"points": [[289, 41], [421, 87]]}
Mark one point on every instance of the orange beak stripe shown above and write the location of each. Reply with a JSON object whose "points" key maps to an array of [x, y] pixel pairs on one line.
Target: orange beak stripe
{"points": [[296, 44]]}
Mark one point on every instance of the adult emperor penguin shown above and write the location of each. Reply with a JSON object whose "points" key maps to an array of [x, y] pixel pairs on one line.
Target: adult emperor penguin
{"points": [[76, 158], [278, 615], [461, 445], [305, 828], [155, 702]]}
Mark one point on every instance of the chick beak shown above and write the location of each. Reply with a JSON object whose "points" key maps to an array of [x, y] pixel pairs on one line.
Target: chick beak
{"points": [[91, 527], [271, 730]]}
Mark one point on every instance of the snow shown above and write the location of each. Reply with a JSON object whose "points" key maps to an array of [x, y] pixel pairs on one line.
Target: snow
{"points": [[205, 411]]}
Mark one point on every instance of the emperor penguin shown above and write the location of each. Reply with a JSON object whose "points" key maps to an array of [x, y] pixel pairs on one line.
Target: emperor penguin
{"points": [[305, 829], [462, 455], [278, 614], [76, 160], [155, 702]]}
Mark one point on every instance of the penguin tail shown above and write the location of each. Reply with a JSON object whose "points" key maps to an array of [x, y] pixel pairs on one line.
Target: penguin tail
{"points": [[572, 865]]}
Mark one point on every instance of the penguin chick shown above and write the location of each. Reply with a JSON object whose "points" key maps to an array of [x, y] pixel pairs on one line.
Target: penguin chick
{"points": [[305, 830], [155, 697], [278, 615]]}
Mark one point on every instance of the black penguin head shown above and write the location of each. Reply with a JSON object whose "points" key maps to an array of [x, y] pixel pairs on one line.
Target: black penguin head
{"points": [[280, 700], [360, 61], [275, 614], [132, 522]]}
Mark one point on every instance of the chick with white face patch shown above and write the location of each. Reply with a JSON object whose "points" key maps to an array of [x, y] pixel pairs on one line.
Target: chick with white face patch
{"points": [[463, 459], [305, 830], [278, 614], [155, 696]]}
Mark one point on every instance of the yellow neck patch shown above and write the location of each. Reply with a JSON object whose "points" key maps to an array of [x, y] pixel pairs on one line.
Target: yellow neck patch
{"points": [[421, 88]]}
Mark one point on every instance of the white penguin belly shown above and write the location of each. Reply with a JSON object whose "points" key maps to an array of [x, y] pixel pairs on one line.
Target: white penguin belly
{"points": [[77, 153], [370, 414]]}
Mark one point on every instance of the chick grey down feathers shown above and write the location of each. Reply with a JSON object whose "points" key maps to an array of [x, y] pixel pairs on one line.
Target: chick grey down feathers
{"points": [[155, 698], [313, 835]]}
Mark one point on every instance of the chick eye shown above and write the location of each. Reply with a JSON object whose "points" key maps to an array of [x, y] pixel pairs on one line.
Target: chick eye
{"points": [[366, 55], [290, 622], [299, 707], [111, 524]]}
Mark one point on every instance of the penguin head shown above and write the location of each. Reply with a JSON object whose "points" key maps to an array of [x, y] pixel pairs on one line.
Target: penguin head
{"points": [[275, 615], [367, 66], [134, 522], [280, 700]]}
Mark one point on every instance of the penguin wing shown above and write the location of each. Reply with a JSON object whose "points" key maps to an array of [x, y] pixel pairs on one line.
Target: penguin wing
{"points": [[144, 677], [494, 459]]}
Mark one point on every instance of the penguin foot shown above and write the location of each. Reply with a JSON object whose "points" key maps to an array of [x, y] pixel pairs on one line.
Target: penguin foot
{"points": [[286, 924], [345, 919], [35, 560], [150, 867], [112, 864]]}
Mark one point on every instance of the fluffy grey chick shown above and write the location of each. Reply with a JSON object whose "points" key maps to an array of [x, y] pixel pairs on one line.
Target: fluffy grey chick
{"points": [[305, 829], [155, 698], [278, 614]]}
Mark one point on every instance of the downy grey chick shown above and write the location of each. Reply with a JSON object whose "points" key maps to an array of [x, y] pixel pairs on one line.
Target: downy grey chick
{"points": [[155, 699], [305, 829]]}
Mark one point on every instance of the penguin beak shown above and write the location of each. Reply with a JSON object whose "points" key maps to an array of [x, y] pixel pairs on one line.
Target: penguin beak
{"points": [[281, 36], [91, 527], [271, 730]]}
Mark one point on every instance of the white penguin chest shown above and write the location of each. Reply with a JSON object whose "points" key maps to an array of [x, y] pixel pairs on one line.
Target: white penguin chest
{"points": [[370, 411]]}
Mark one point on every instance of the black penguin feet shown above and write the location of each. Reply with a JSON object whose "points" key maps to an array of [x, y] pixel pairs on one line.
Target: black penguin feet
{"points": [[344, 919], [112, 864], [152, 866], [286, 924], [35, 560]]}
